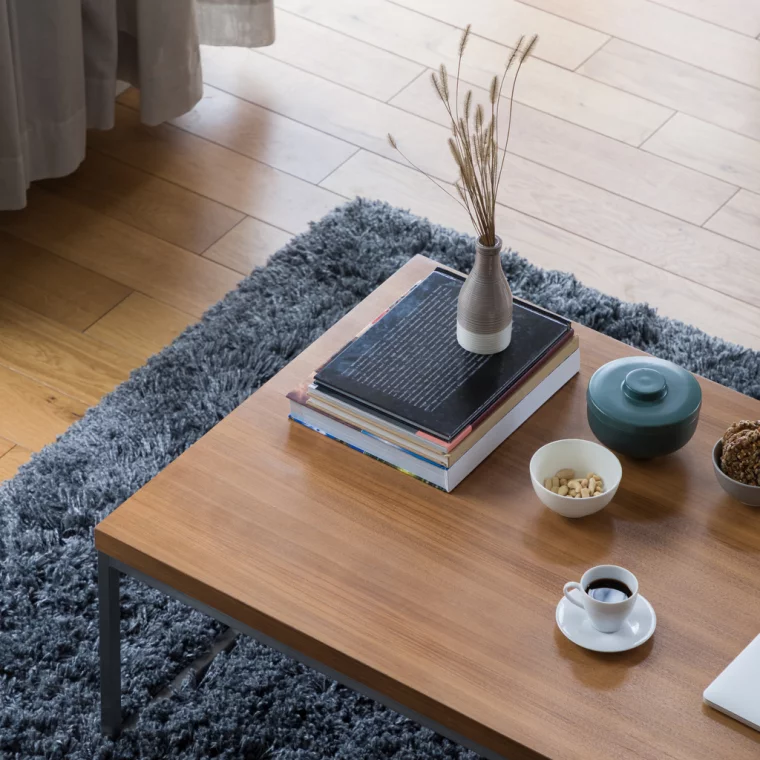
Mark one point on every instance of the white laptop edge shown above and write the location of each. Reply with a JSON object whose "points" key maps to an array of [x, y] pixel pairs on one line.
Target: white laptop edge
{"points": [[736, 691]]}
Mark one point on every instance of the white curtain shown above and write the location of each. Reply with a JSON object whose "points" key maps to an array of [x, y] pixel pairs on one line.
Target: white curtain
{"points": [[60, 61]]}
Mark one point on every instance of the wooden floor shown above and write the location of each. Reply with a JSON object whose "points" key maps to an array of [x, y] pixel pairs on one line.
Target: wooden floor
{"points": [[634, 163]]}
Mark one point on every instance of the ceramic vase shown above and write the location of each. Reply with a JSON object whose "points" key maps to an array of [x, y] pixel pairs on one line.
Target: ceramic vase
{"points": [[484, 309]]}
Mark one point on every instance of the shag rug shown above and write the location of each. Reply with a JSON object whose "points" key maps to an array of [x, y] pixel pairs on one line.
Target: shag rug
{"points": [[252, 703]]}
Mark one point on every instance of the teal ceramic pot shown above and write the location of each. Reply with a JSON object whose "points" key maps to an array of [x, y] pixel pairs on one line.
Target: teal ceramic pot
{"points": [[643, 407]]}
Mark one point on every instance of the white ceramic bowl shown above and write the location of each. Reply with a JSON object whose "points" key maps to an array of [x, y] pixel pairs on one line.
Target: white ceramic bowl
{"points": [[583, 457]]}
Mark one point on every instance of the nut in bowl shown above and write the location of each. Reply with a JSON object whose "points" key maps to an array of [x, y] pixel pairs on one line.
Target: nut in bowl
{"points": [[583, 458], [743, 492]]}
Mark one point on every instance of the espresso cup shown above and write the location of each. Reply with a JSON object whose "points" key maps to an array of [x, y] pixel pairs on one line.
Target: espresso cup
{"points": [[605, 616]]}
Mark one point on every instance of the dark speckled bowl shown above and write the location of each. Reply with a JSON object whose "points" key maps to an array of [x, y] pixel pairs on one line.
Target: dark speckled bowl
{"points": [[749, 495]]}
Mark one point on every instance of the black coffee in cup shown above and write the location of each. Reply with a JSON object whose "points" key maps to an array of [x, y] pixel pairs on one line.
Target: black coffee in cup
{"points": [[608, 590]]}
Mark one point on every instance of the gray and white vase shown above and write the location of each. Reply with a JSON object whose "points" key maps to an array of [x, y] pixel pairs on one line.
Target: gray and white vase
{"points": [[484, 309]]}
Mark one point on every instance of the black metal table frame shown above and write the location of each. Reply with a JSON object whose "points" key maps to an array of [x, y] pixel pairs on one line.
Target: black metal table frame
{"points": [[109, 570]]}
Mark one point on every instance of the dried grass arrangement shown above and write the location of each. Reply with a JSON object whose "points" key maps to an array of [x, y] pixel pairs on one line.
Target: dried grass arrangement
{"points": [[475, 141]]}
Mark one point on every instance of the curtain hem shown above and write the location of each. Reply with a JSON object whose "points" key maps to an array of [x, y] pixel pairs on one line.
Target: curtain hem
{"points": [[48, 150]]}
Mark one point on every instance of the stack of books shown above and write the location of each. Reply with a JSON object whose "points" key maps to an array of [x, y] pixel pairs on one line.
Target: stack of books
{"points": [[404, 391]]}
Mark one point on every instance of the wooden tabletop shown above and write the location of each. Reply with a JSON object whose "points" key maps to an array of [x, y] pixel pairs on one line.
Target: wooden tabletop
{"points": [[445, 602]]}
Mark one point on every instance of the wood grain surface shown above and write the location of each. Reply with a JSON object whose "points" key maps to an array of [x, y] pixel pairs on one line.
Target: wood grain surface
{"points": [[339, 58], [62, 359], [263, 135], [134, 258], [5, 446], [739, 218], [709, 149], [683, 37], [552, 247], [635, 122], [567, 44], [219, 173], [678, 85], [249, 245], [331, 108], [740, 15], [430, 41], [12, 460], [47, 284], [446, 603], [153, 205], [33, 413], [602, 161], [140, 326]]}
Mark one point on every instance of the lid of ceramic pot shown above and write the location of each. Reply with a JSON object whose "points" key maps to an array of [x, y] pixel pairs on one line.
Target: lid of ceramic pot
{"points": [[643, 393]]}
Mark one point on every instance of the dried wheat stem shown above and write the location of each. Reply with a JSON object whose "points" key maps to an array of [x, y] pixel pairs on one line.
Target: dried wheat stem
{"points": [[475, 145], [394, 145]]}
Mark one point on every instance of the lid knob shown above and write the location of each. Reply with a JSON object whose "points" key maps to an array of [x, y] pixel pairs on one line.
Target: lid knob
{"points": [[645, 384]]}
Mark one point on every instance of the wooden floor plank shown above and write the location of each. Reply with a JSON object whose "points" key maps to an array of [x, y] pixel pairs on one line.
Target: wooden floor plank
{"points": [[5, 446], [710, 149], [112, 249], [140, 326], [258, 132], [547, 246], [215, 172], [562, 42], [153, 205], [739, 219], [62, 359], [658, 28], [740, 15], [589, 156], [49, 285], [628, 227], [339, 58], [33, 414], [641, 232], [545, 86], [10, 462], [249, 245], [344, 113], [120, 252], [677, 85]]}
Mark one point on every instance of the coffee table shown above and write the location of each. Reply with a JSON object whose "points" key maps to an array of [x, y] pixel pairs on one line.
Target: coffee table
{"points": [[442, 605]]}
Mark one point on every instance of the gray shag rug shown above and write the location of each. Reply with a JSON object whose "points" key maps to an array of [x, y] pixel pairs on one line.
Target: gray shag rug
{"points": [[252, 703]]}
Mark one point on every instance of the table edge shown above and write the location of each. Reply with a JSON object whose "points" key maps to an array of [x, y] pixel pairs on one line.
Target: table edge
{"points": [[334, 659]]}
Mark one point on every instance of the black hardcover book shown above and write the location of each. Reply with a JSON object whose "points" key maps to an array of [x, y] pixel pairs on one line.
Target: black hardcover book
{"points": [[409, 366]]}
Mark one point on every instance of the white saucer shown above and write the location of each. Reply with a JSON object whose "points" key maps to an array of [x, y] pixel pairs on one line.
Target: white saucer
{"points": [[575, 624]]}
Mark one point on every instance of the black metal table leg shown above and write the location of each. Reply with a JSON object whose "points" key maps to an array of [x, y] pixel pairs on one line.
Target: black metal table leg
{"points": [[110, 647]]}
